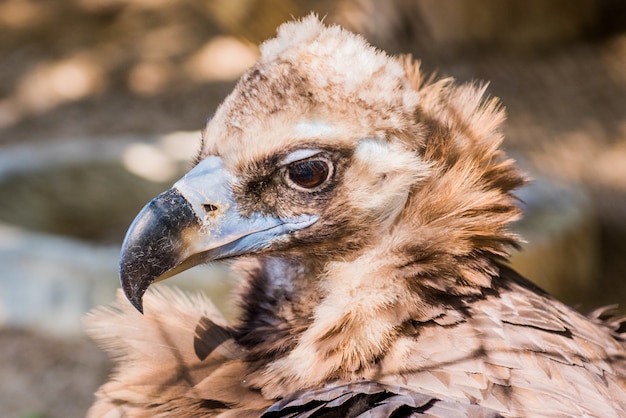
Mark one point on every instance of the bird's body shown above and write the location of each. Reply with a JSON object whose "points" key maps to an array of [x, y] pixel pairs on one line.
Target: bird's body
{"points": [[368, 211]]}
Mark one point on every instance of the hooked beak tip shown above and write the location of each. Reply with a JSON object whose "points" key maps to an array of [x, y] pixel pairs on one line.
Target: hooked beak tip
{"points": [[137, 302], [134, 295]]}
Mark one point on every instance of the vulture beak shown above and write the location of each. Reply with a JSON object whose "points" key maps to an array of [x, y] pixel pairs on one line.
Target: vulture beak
{"points": [[194, 222]]}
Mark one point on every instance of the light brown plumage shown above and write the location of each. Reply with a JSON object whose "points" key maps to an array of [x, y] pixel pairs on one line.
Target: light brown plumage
{"points": [[381, 285]]}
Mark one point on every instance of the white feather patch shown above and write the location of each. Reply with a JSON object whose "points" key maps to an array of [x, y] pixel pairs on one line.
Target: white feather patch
{"points": [[382, 175], [314, 129]]}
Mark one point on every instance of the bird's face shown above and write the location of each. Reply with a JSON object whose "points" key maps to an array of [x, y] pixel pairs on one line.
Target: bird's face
{"points": [[302, 186]]}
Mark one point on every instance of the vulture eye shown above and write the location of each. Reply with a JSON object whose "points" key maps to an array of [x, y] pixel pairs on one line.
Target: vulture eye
{"points": [[308, 174]]}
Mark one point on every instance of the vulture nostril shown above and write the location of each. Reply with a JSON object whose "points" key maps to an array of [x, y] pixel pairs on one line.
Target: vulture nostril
{"points": [[209, 207]]}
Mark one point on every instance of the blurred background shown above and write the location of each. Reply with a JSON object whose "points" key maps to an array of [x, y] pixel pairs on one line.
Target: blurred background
{"points": [[101, 103]]}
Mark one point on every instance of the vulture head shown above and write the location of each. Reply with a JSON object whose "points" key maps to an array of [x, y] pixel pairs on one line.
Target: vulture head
{"points": [[331, 154], [355, 194]]}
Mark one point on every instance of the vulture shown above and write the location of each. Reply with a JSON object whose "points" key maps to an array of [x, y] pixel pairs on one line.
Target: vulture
{"points": [[367, 210]]}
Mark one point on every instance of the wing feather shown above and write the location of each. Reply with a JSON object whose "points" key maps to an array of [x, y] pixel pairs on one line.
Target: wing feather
{"points": [[527, 356], [370, 400]]}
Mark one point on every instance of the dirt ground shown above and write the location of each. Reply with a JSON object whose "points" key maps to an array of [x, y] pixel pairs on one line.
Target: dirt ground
{"points": [[47, 377], [98, 68]]}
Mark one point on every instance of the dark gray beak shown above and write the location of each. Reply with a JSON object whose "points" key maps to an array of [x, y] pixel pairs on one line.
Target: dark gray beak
{"points": [[194, 222]]}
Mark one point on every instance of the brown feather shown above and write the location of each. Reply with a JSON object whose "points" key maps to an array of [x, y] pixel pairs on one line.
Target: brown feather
{"points": [[398, 298], [159, 371]]}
